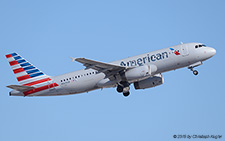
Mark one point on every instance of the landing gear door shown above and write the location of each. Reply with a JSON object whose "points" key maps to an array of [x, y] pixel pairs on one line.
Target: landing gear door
{"points": [[184, 50]]}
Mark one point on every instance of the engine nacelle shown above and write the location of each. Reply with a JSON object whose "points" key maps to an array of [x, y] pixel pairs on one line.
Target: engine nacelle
{"points": [[140, 72], [149, 82]]}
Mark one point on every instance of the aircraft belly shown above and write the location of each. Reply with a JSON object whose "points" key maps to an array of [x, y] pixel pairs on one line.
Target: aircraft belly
{"points": [[184, 61], [165, 65]]}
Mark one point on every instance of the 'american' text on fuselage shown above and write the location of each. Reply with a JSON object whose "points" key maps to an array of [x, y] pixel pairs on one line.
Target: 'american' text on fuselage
{"points": [[145, 59]]}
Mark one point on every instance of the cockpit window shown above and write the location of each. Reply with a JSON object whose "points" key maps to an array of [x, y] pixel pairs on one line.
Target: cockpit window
{"points": [[201, 45]]}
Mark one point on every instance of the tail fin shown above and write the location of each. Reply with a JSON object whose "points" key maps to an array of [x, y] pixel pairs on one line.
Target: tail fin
{"points": [[25, 72]]}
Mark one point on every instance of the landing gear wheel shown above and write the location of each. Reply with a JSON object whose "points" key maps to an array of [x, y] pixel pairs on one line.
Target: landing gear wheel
{"points": [[123, 87], [195, 72], [119, 89], [126, 94]]}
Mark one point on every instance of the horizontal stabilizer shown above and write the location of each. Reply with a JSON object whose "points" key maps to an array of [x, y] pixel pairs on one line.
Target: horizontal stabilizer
{"points": [[20, 88]]}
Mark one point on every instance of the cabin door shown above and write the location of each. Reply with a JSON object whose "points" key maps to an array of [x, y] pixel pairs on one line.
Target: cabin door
{"points": [[184, 50]]}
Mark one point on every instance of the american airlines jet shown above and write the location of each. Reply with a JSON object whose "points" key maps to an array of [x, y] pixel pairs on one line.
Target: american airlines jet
{"points": [[144, 71]]}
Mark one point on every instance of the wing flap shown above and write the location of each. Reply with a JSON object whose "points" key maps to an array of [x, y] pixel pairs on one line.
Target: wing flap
{"points": [[20, 88]]}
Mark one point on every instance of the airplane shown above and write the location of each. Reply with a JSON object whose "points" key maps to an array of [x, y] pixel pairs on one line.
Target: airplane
{"points": [[143, 71]]}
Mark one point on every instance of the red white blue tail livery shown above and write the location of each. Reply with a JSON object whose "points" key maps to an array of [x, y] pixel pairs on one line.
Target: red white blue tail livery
{"points": [[30, 78]]}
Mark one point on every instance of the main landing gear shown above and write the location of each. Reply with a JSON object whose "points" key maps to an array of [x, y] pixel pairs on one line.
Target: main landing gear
{"points": [[123, 87], [195, 72]]}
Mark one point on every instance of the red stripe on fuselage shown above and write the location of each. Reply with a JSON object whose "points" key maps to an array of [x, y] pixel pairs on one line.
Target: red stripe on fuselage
{"points": [[13, 63], [37, 82], [8, 55], [40, 89], [23, 77], [18, 70]]}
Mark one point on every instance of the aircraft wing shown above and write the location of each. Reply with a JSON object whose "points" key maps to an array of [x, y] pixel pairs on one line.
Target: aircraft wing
{"points": [[20, 88], [107, 68]]}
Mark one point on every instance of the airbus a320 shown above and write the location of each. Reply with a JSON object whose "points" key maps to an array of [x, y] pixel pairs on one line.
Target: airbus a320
{"points": [[143, 71]]}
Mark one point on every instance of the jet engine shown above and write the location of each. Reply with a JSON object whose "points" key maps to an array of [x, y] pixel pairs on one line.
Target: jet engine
{"points": [[140, 73], [149, 82]]}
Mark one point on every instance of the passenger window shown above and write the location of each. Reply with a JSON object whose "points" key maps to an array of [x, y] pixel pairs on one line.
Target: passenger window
{"points": [[61, 81], [67, 79], [70, 78], [64, 80], [200, 45], [78, 76], [75, 76], [196, 46]]}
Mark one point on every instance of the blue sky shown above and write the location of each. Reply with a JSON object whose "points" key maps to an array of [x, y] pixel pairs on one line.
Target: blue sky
{"points": [[47, 33]]}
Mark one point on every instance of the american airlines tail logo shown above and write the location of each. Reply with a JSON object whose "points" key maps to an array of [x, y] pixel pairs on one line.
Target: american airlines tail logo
{"points": [[28, 75], [175, 51]]}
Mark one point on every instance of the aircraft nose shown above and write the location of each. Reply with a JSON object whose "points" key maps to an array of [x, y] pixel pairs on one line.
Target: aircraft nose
{"points": [[212, 51]]}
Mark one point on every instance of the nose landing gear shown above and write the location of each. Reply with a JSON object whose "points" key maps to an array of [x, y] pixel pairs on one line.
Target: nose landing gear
{"points": [[195, 72]]}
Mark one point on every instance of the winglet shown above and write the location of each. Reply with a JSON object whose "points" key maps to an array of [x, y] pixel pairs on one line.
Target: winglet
{"points": [[73, 59]]}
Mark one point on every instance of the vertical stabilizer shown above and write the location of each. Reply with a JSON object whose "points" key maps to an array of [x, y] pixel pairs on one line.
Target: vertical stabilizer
{"points": [[29, 76], [25, 72]]}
